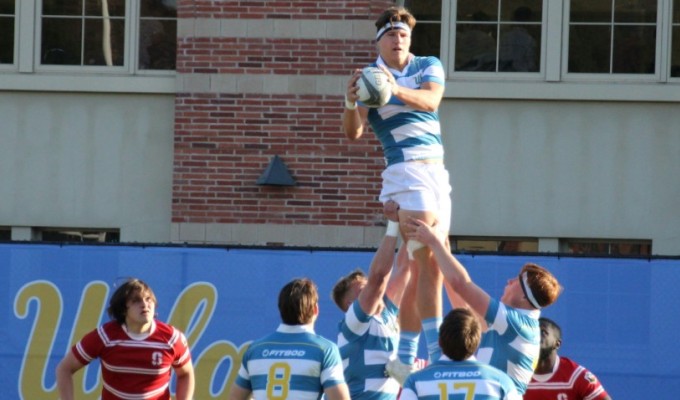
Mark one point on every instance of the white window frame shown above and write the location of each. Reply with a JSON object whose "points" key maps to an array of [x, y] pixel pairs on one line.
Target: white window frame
{"points": [[553, 82], [28, 74], [515, 76], [659, 62]]}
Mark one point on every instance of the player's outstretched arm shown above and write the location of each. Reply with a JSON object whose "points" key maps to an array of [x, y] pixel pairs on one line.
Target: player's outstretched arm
{"points": [[401, 274], [379, 272], [454, 272], [185, 381], [65, 370], [337, 392]]}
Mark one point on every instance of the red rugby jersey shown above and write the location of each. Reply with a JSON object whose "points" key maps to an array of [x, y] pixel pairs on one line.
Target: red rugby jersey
{"points": [[134, 367], [570, 381]]}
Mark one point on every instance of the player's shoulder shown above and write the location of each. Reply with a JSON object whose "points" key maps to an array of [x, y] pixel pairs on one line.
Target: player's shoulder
{"points": [[426, 60], [111, 330]]}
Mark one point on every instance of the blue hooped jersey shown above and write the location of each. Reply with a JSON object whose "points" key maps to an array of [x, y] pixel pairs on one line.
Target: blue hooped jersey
{"points": [[511, 342], [292, 363], [469, 379], [407, 134], [367, 342]]}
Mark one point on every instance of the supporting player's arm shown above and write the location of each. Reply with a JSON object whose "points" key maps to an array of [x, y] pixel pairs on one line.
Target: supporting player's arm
{"points": [[185, 381], [65, 370], [380, 271], [401, 274], [454, 272]]}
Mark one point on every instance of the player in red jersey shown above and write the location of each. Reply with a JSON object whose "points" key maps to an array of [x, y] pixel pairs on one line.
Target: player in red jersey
{"points": [[137, 352], [559, 378]]}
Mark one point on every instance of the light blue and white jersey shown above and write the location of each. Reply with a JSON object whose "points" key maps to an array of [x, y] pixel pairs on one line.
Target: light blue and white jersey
{"points": [[448, 380], [407, 134], [512, 342], [366, 344], [292, 363]]}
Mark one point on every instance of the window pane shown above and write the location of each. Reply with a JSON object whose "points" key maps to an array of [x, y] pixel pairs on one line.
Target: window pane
{"points": [[61, 41], [425, 10], [477, 10], [589, 48], [104, 46], [114, 8], [7, 7], [62, 7], [426, 39], [634, 49], [591, 11], [6, 40], [519, 48], [475, 47], [676, 11], [522, 10], [635, 11], [675, 53], [158, 8], [158, 44]]}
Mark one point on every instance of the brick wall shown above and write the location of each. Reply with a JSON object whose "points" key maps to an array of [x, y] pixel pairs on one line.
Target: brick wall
{"points": [[228, 129]]}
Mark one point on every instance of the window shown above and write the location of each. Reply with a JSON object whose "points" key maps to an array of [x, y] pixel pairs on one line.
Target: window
{"points": [[7, 18], [498, 36], [612, 36], [80, 235], [93, 33], [609, 247], [158, 35], [83, 32], [500, 245], [427, 33], [675, 40]]}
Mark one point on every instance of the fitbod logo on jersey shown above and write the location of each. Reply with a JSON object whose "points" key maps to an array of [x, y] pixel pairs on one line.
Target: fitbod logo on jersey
{"points": [[283, 353]]}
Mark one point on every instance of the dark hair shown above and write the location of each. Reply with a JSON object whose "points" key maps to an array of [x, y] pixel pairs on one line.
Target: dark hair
{"points": [[553, 325], [127, 291], [297, 302], [344, 284], [395, 14], [459, 334]]}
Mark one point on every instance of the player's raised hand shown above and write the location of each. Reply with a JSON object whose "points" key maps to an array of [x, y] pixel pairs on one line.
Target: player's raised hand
{"points": [[419, 230]]}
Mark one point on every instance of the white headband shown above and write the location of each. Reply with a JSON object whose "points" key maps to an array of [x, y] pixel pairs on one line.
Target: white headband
{"points": [[527, 291], [392, 25]]}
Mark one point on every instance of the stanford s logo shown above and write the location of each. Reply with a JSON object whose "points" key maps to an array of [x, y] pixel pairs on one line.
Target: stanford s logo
{"points": [[156, 358]]}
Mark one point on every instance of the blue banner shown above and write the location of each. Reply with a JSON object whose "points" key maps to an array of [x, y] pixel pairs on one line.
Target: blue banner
{"points": [[618, 315]]}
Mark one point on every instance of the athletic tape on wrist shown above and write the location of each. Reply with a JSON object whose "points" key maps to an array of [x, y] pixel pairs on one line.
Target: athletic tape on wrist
{"points": [[392, 228], [350, 105]]}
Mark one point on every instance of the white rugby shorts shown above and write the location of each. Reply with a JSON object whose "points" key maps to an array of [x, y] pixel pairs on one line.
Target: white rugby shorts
{"points": [[419, 187]]}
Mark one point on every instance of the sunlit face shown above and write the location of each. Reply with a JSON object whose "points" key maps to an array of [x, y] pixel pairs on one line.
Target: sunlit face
{"points": [[394, 47], [141, 309], [513, 292]]}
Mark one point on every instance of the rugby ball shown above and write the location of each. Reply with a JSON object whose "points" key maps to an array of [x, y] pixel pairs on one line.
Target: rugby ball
{"points": [[374, 89]]}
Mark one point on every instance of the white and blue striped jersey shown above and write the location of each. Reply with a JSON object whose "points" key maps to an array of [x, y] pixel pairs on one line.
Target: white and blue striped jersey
{"points": [[367, 342], [407, 134], [292, 363], [512, 342], [452, 380]]}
